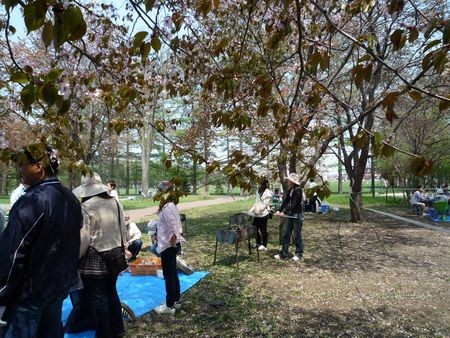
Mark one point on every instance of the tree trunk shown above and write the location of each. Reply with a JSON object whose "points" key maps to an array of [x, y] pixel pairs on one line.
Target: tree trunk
{"points": [[339, 171], [146, 135], [283, 174], [4, 180], [127, 166], [194, 177], [146, 148], [356, 207], [206, 171]]}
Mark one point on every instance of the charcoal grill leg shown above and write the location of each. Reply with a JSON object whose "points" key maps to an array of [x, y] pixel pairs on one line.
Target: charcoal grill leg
{"points": [[215, 252], [236, 245]]}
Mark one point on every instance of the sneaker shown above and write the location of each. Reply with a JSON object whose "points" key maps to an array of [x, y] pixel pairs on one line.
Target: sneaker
{"points": [[262, 248], [164, 309], [278, 257], [296, 258]]}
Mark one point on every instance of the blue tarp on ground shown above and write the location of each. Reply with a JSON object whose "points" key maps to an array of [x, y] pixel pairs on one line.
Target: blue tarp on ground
{"points": [[141, 293]]}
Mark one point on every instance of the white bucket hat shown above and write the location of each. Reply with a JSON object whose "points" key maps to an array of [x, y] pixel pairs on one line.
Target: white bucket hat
{"points": [[294, 178], [90, 186]]}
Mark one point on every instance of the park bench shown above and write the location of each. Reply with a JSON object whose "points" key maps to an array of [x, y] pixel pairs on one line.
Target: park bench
{"points": [[240, 230]]}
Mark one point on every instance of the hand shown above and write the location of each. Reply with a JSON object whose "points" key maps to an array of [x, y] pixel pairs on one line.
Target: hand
{"points": [[173, 241], [281, 214], [128, 254]]}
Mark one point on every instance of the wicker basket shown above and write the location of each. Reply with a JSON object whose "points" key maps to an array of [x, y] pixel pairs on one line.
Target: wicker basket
{"points": [[145, 266]]}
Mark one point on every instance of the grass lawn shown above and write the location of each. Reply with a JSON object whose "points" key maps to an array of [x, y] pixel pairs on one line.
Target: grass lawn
{"points": [[140, 203], [378, 278]]}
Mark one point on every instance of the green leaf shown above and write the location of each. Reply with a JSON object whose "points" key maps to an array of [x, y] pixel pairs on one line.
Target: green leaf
{"points": [[395, 6], [145, 50], [149, 5], [420, 166], [50, 94], [138, 38], [53, 75], [74, 23], [446, 33], [60, 34], [443, 105], [34, 15], [156, 43], [28, 96], [388, 102], [168, 163], [413, 34], [10, 4], [427, 60], [398, 39], [416, 96], [63, 105], [439, 61], [431, 44], [324, 62], [313, 61], [47, 34], [204, 6], [387, 150], [19, 77], [360, 140]]}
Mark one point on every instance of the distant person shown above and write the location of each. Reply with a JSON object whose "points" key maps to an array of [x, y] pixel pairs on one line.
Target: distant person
{"points": [[169, 245], [134, 241], [260, 211], [111, 184], [152, 227], [17, 193], [2, 219], [276, 199], [39, 249], [418, 200], [445, 190], [440, 197], [292, 211]]}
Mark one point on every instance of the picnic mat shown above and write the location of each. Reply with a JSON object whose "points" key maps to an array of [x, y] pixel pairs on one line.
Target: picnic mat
{"points": [[141, 293]]}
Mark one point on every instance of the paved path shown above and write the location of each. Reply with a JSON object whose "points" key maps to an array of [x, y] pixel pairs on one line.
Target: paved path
{"points": [[140, 215], [404, 219]]}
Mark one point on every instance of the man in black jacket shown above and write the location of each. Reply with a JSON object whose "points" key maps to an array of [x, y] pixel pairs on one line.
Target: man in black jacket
{"points": [[38, 249], [292, 210]]}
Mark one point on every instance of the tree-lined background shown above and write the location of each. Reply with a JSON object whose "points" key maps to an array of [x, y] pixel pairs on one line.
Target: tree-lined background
{"points": [[206, 91]]}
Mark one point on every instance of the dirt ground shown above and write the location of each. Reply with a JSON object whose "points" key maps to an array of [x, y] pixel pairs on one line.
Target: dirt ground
{"points": [[379, 278]]}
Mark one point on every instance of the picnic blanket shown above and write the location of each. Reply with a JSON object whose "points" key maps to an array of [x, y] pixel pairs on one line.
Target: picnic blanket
{"points": [[141, 293]]}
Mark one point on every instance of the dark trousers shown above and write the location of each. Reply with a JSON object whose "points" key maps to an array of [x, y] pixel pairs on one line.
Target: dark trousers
{"points": [[169, 267], [261, 230], [98, 305], [38, 318], [134, 247]]}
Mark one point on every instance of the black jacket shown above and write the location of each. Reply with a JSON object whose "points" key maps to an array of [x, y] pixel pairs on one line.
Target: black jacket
{"points": [[292, 201], [39, 247]]}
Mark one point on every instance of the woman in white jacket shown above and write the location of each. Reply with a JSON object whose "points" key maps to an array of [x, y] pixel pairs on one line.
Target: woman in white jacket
{"points": [[261, 210]]}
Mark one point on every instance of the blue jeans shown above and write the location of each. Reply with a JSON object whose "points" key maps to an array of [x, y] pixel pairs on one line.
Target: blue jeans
{"points": [[34, 318], [294, 224]]}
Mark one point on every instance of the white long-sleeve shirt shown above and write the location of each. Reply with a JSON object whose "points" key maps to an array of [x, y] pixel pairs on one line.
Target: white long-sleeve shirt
{"points": [[133, 232], [169, 225]]}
